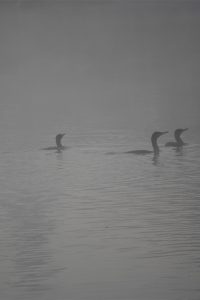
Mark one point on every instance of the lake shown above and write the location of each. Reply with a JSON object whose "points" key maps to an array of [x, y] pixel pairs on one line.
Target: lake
{"points": [[82, 224]]}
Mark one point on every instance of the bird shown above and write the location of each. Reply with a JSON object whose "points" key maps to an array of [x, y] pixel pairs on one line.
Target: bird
{"points": [[59, 145], [179, 142], [154, 138]]}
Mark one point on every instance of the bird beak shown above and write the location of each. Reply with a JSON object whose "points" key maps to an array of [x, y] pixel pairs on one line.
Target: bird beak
{"points": [[164, 132], [185, 129]]}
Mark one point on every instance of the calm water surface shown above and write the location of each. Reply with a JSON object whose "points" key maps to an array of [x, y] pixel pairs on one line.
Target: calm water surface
{"points": [[82, 224]]}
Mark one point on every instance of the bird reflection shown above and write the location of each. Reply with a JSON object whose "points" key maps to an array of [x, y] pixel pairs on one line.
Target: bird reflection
{"points": [[155, 159], [31, 232]]}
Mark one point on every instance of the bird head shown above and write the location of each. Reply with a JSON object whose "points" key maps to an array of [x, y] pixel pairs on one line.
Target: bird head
{"points": [[179, 131], [157, 134]]}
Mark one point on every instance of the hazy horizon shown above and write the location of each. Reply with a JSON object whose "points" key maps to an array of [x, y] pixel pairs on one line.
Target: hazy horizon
{"points": [[101, 64]]}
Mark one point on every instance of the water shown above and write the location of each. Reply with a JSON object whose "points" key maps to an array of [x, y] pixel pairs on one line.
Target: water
{"points": [[82, 224]]}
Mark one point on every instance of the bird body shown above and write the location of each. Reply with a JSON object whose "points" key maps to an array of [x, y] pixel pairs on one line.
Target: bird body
{"points": [[59, 146], [156, 149], [140, 152]]}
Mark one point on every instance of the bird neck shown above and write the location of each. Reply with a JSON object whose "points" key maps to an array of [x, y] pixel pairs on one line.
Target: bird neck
{"points": [[155, 146], [179, 140], [58, 144]]}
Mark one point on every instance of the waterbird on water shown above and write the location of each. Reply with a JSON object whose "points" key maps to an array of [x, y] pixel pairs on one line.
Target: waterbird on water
{"points": [[179, 142], [154, 138], [59, 145]]}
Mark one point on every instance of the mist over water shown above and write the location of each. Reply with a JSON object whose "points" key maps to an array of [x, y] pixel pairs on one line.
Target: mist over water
{"points": [[99, 64], [81, 224]]}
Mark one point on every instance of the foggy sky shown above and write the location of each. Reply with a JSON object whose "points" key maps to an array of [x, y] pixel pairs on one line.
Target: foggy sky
{"points": [[99, 63]]}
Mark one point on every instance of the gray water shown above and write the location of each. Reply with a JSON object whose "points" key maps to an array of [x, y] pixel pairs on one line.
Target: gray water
{"points": [[82, 224]]}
